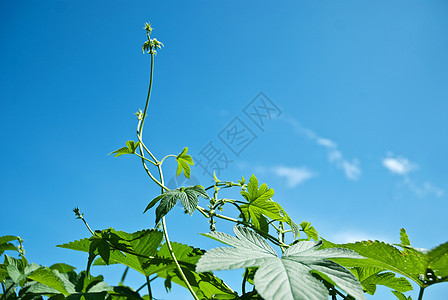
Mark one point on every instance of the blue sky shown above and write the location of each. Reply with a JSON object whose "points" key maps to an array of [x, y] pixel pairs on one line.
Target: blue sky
{"points": [[357, 145]]}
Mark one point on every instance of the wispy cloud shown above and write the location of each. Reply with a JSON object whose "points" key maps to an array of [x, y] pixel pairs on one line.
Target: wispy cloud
{"points": [[294, 176], [351, 168], [399, 165], [402, 166]]}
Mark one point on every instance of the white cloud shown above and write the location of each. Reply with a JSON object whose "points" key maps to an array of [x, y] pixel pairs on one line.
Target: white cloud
{"points": [[294, 176], [402, 166], [424, 190], [326, 143], [399, 165], [351, 169]]}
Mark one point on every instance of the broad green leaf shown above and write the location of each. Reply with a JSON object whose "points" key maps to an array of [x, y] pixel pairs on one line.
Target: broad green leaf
{"points": [[183, 163], [49, 278], [62, 268], [288, 277], [205, 285], [7, 238], [422, 266], [371, 277], [188, 197], [19, 269], [130, 148], [137, 246], [5, 245], [260, 207]]}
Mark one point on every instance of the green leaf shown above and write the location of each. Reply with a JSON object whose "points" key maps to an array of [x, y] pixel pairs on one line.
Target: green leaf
{"points": [[138, 247], [7, 238], [49, 278], [183, 163], [261, 207], [62, 268], [401, 296], [371, 277], [404, 238], [422, 266], [288, 277], [205, 285], [309, 230], [5, 245], [188, 197], [130, 148]]}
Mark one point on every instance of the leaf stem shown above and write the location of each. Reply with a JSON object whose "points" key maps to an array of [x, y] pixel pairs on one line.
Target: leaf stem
{"points": [[123, 277], [170, 155], [148, 284], [420, 294], [142, 157]]}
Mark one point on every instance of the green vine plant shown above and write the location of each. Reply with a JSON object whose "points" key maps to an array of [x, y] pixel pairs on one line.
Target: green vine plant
{"points": [[309, 266]]}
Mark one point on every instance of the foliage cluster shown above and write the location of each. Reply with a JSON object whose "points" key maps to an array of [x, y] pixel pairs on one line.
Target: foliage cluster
{"points": [[309, 267]]}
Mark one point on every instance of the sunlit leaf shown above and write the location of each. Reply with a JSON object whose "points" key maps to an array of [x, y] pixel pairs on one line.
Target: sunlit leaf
{"points": [[288, 277], [183, 163]]}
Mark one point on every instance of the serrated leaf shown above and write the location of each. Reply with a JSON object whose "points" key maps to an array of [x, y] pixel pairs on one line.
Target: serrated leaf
{"points": [[143, 244], [205, 285], [130, 148], [422, 266], [183, 163], [371, 277], [49, 278], [188, 197], [309, 230], [62, 268], [260, 207], [288, 277], [404, 238]]}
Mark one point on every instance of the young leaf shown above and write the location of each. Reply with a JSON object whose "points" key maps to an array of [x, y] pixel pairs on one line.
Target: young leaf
{"points": [[188, 197], [309, 230], [183, 163], [288, 277], [130, 148], [261, 207]]}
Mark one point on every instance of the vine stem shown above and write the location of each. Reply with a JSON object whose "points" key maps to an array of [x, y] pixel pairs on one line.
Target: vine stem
{"points": [[420, 294], [168, 243], [161, 182]]}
